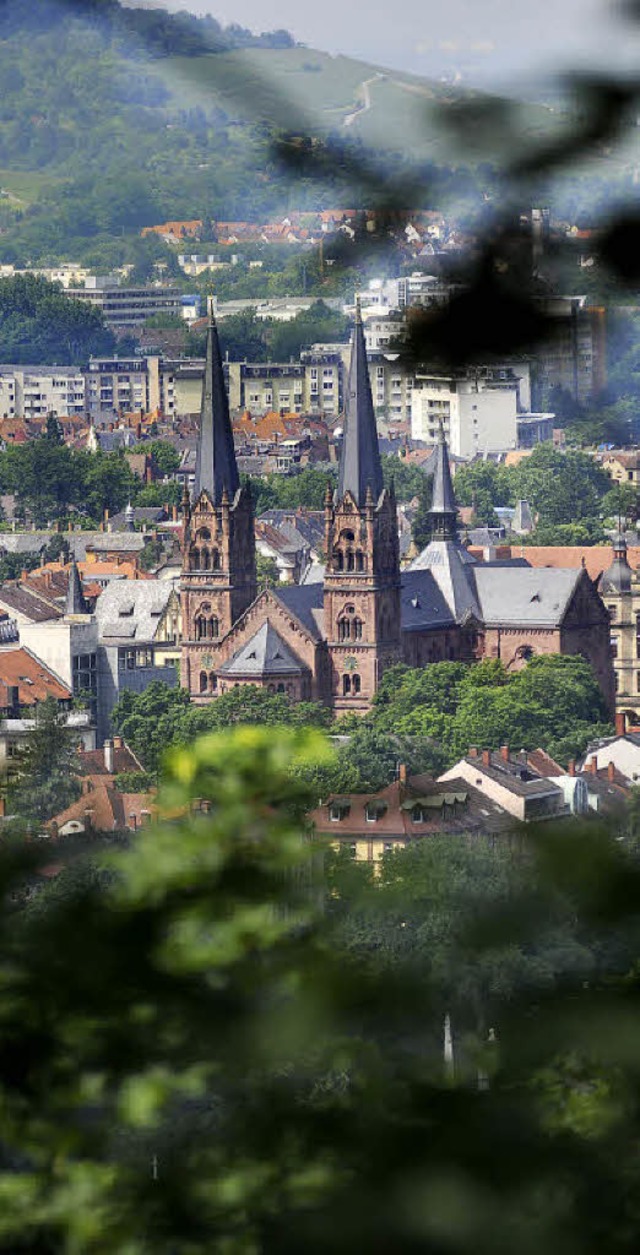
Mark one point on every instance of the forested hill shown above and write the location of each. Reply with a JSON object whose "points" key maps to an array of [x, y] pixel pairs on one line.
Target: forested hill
{"points": [[160, 33], [115, 118]]}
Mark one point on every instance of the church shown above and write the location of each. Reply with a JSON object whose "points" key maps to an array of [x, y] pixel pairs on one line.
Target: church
{"points": [[331, 641]]}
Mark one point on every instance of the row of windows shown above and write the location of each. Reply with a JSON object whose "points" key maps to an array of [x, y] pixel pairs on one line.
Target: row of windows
{"points": [[208, 683], [349, 560], [207, 627], [204, 559]]}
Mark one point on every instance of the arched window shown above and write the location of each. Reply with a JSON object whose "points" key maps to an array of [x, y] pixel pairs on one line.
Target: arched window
{"points": [[215, 559], [347, 536], [194, 559], [203, 681], [204, 559], [202, 621], [349, 626], [351, 562], [360, 561], [355, 684], [203, 533], [338, 559], [271, 688], [346, 685], [213, 683], [281, 688], [213, 628]]}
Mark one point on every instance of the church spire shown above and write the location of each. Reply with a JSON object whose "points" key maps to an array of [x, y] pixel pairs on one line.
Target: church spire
{"points": [[75, 603], [360, 466], [216, 467], [444, 510]]}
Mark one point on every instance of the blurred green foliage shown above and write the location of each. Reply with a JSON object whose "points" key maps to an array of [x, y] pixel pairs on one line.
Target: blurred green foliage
{"points": [[208, 1043]]}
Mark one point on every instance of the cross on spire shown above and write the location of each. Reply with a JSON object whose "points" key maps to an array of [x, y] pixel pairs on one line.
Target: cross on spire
{"points": [[216, 466]]}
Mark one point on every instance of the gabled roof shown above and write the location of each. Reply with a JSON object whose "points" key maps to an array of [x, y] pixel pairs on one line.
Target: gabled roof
{"points": [[524, 595], [92, 762], [264, 655], [422, 602], [20, 669], [133, 609], [452, 567], [306, 602], [23, 601], [105, 809]]}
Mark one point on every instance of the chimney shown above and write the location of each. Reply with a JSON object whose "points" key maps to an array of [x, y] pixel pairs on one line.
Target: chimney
{"points": [[486, 758], [174, 513], [572, 767], [473, 751], [593, 766], [621, 723], [24, 575], [402, 773], [611, 772], [108, 756], [117, 742], [504, 753]]}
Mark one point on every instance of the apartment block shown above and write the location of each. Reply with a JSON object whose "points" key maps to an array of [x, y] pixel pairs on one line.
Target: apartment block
{"points": [[33, 392], [130, 307], [478, 411], [123, 385]]}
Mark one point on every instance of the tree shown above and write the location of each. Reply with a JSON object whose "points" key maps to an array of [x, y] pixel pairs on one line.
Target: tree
{"points": [[160, 717], [46, 777], [164, 457], [222, 1064], [39, 323]]}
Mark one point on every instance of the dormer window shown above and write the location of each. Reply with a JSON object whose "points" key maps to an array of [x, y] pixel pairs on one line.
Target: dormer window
{"points": [[375, 810], [339, 809]]}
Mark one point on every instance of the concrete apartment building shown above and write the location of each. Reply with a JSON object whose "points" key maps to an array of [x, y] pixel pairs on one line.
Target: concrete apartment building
{"points": [[478, 411], [313, 385], [129, 307], [574, 356], [35, 391], [123, 385]]}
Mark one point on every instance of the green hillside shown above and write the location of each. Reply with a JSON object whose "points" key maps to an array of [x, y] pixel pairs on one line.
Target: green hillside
{"points": [[112, 119]]}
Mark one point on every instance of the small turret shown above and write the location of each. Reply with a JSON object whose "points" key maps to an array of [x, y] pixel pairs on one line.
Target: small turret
{"points": [[617, 577]]}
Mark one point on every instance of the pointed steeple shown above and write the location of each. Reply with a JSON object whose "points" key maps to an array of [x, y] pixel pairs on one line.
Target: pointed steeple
{"points": [[360, 466], [216, 466], [444, 510], [75, 603]]}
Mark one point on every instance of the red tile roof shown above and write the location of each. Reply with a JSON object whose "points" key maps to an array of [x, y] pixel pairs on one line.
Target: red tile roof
{"points": [[22, 670]]}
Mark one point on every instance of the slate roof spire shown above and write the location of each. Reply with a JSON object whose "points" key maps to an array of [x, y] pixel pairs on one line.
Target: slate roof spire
{"points": [[75, 602], [360, 465], [444, 509], [216, 466]]}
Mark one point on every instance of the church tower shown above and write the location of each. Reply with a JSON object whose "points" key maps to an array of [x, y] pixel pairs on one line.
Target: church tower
{"points": [[362, 578], [218, 550]]}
